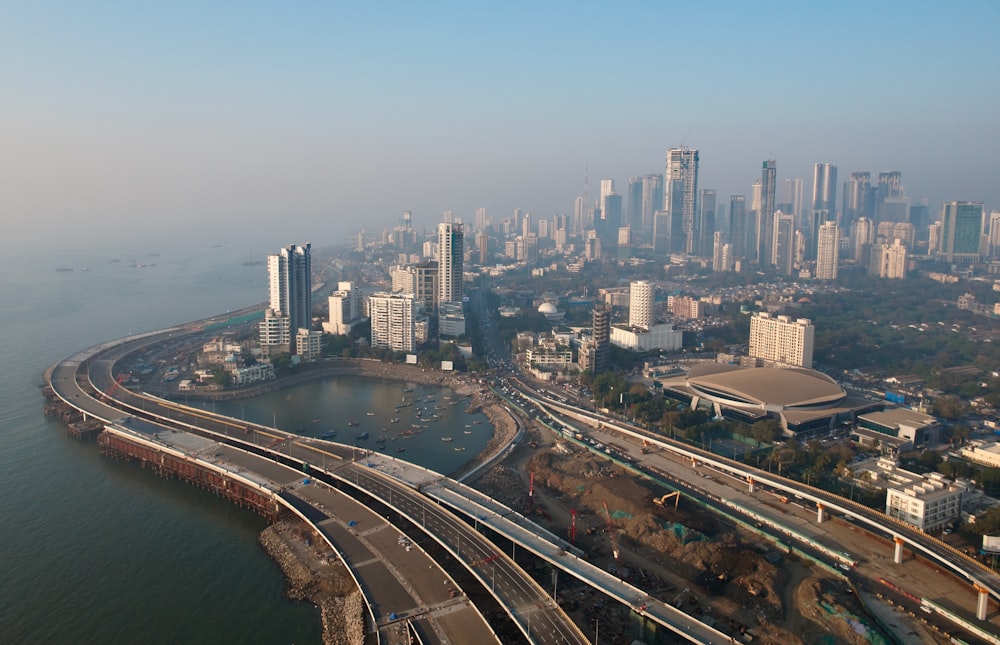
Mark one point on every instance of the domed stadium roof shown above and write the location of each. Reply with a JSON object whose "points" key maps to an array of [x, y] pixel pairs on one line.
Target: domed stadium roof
{"points": [[547, 308], [765, 388]]}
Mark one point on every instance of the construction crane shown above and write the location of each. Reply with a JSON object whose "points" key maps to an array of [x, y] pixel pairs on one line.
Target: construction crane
{"points": [[124, 376], [611, 533]]}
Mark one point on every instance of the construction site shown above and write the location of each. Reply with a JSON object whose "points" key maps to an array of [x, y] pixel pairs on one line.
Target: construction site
{"points": [[672, 548]]}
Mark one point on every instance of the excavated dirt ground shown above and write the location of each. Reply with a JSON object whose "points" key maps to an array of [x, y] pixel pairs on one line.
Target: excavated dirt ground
{"points": [[684, 556]]}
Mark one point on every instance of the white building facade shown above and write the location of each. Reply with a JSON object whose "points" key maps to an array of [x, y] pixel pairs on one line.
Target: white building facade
{"points": [[781, 340]]}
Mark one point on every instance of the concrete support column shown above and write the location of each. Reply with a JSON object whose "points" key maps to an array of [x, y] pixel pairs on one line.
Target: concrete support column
{"points": [[750, 483], [897, 557], [820, 515], [984, 601]]}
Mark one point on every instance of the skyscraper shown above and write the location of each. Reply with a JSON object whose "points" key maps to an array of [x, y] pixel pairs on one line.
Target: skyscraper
{"points": [[783, 244], [765, 214], [641, 295], [738, 225], [450, 262], [652, 200], [706, 222], [793, 196], [961, 231], [633, 204], [858, 199], [824, 204], [828, 251], [681, 200], [289, 274]]}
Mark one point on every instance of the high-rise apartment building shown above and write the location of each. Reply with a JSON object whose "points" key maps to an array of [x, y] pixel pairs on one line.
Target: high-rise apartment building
{"points": [[783, 243], [393, 321], [864, 235], [828, 251], [345, 310], [681, 198], [418, 280], [641, 296], [781, 340], [451, 260], [685, 307], [289, 274], [601, 338], [893, 264]]}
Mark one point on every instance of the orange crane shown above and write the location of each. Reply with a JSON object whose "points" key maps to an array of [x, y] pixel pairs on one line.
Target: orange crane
{"points": [[611, 532], [124, 376]]}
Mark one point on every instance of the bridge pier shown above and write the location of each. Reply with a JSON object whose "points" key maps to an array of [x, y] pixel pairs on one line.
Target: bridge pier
{"points": [[820, 515], [983, 603], [897, 556]]}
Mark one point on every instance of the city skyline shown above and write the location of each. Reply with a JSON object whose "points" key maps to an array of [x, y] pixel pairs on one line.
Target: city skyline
{"points": [[167, 119]]}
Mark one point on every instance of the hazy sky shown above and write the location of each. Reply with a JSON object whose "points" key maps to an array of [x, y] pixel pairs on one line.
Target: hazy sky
{"points": [[302, 121]]}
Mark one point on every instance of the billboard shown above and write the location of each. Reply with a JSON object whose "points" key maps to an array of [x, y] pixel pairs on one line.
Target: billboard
{"points": [[411, 359], [991, 543], [447, 366], [895, 397]]}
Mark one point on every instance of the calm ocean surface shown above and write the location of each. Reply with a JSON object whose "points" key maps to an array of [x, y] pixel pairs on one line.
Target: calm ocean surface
{"points": [[96, 551]]}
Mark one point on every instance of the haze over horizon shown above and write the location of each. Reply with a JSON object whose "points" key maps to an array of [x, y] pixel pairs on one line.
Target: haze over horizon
{"points": [[305, 122]]}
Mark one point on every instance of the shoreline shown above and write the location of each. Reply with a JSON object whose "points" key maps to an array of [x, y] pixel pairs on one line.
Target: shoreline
{"points": [[480, 397]]}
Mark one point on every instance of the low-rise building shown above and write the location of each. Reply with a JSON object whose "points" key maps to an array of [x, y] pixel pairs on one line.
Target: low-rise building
{"points": [[930, 504], [662, 337], [896, 429]]}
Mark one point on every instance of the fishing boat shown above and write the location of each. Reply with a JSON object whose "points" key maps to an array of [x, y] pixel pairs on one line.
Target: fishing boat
{"points": [[459, 449], [446, 439]]}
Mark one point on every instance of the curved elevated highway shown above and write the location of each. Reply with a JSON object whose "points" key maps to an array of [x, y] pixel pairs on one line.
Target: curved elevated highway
{"points": [[79, 380]]}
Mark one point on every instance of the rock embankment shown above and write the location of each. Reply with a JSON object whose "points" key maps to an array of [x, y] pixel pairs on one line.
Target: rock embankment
{"points": [[316, 575]]}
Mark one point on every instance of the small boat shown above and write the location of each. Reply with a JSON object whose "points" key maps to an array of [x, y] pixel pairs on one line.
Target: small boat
{"points": [[400, 449], [394, 420], [363, 435], [446, 439], [353, 423], [328, 435], [459, 449], [316, 420], [468, 432], [371, 414]]}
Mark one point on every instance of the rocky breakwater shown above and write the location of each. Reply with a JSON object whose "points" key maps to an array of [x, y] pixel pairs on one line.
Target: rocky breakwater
{"points": [[316, 575]]}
